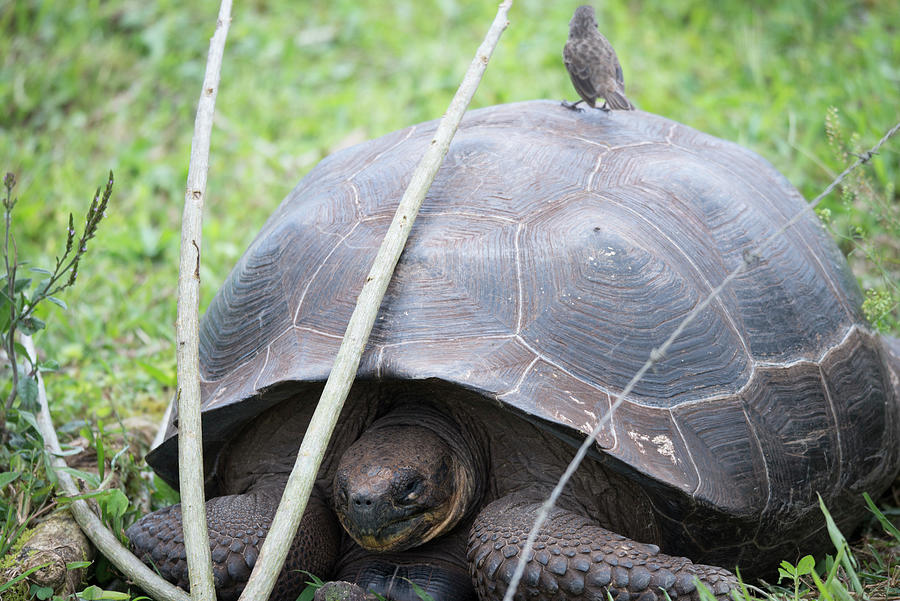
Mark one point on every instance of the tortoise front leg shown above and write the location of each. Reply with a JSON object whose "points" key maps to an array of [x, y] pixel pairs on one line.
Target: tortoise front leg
{"points": [[237, 525], [575, 558]]}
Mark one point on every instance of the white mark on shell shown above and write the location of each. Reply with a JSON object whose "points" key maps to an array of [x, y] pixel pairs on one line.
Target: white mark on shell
{"points": [[665, 447], [639, 439]]}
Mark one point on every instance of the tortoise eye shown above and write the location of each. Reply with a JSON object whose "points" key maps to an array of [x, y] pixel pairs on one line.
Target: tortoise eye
{"points": [[411, 490]]}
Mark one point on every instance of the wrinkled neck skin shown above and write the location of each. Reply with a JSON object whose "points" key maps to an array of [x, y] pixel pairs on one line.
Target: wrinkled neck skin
{"points": [[418, 438]]}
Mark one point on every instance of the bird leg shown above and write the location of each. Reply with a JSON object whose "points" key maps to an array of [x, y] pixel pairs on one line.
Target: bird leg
{"points": [[572, 105]]}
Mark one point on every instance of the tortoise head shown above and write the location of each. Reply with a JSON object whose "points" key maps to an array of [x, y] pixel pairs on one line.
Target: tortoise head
{"points": [[406, 481]]}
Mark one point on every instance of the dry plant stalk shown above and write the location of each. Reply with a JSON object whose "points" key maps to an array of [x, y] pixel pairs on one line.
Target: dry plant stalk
{"points": [[187, 327], [296, 492]]}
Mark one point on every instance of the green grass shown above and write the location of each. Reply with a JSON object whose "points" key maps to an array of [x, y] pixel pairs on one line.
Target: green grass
{"points": [[90, 86]]}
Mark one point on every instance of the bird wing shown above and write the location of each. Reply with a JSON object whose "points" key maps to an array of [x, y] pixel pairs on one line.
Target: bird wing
{"points": [[580, 74], [613, 58]]}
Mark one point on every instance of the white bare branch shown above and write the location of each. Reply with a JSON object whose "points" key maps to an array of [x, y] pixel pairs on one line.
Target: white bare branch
{"points": [[187, 327]]}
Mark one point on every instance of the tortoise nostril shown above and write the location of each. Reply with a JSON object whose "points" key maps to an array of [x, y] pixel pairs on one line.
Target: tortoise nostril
{"points": [[361, 499]]}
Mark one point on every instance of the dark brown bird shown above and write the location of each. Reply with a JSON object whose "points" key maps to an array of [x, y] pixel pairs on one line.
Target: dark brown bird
{"points": [[593, 65]]}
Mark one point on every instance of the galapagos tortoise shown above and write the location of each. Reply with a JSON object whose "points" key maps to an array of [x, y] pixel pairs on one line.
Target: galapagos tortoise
{"points": [[553, 252]]}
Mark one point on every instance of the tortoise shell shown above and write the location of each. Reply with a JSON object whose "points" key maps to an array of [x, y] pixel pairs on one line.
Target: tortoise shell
{"points": [[553, 253]]}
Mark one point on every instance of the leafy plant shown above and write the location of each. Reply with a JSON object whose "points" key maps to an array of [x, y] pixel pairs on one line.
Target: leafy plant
{"points": [[888, 526], [19, 296], [28, 494], [804, 567], [95, 593], [312, 585], [23, 462], [867, 228]]}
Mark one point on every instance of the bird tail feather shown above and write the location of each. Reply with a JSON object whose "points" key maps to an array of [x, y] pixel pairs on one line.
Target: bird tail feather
{"points": [[617, 101]]}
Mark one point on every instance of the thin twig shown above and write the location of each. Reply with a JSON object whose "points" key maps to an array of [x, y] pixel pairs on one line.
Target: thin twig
{"points": [[102, 538], [9, 341], [657, 354], [312, 449], [187, 327]]}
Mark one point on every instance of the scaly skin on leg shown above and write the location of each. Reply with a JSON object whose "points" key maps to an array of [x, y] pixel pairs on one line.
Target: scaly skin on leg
{"points": [[574, 558], [237, 527]]}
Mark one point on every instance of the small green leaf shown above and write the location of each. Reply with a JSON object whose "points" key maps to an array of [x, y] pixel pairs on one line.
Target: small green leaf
{"points": [[91, 593], [27, 390], [825, 594], [4, 313], [57, 302], [75, 565], [21, 284], [115, 459], [48, 365], [40, 270], [68, 452], [90, 479], [31, 325], [114, 503], [307, 593], [8, 477], [42, 592], [95, 593], [703, 592], [882, 519], [744, 590], [840, 543], [21, 351], [29, 418], [806, 565], [314, 580], [786, 570], [40, 290]]}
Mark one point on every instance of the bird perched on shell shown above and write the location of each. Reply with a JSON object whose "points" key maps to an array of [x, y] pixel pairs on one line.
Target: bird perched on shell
{"points": [[593, 65]]}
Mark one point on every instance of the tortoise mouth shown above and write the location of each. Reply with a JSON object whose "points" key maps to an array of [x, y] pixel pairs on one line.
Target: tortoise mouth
{"points": [[398, 535]]}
